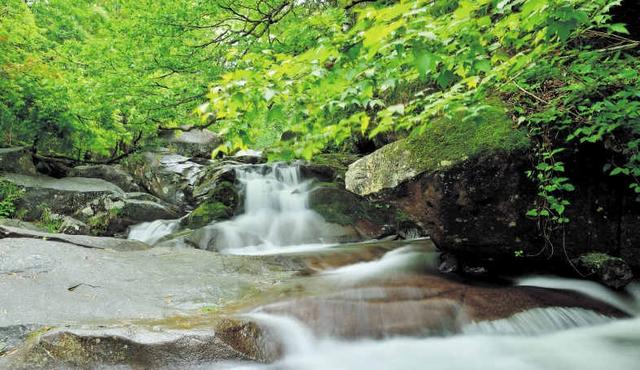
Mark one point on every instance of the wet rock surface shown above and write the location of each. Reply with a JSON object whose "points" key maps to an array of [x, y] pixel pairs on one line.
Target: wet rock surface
{"points": [[160, 307]]}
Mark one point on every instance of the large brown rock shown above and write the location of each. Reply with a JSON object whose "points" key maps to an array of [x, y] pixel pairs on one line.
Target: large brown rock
{"points": [[477, 207]]}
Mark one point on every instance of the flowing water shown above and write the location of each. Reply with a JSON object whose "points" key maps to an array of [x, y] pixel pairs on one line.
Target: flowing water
{"points": [[276, 217], [395, 312]]}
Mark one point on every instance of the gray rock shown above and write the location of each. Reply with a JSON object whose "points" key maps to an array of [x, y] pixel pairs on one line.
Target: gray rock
{"points": [[114, 174], [113, 214], [17, 160], [11, 222], [95, 284], [72, 226], [193, 143], [62, 196], [170, 177], [77, 240]]}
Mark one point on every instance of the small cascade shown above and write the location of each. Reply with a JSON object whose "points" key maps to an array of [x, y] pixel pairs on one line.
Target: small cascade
{"points": [[538, 321], [152, 232], [276, 214], [397, 261], [629, 304]]}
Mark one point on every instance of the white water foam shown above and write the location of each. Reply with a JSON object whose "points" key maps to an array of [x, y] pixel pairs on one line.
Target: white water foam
{"points": [[628, 304], [152, 232], [276, 217], [400, 260], [609, 346]]}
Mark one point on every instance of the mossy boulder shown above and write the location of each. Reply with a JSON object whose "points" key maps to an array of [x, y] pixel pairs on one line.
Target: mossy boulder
{"points": [[208, 212], [611, 271], [444, 143], [328, 167], [216, 194]]}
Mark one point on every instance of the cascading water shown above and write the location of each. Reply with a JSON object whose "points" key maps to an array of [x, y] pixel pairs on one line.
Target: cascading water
{"points": [[152, 232], [276, 214], [373, 296]]}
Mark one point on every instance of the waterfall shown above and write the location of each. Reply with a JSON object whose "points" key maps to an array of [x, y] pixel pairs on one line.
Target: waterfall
{"points": [[276, 214]]}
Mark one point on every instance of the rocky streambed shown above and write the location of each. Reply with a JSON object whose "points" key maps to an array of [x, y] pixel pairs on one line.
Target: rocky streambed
{"points": [[233, 264]]}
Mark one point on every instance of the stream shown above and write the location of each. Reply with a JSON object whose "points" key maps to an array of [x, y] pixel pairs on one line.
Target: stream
{"points": [[384, 305]]}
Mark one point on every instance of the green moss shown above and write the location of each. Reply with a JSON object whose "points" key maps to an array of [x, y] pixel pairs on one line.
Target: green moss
{"points": [[207, 212], [445, 142], [337, 161], [595, 260]]}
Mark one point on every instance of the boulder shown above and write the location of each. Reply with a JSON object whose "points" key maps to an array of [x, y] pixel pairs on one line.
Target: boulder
{"points": [[113, 214], [192, 143], [476, 207], [62, 196], [216, 194], [371, 219], [611, 271], [170, 177], [17, 160], [328, 167], [114, 174]]}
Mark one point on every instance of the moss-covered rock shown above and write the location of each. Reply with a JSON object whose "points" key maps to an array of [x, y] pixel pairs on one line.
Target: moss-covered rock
{"points": [[328, 167], [611, 271], [444, 142], [208, 212]]}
